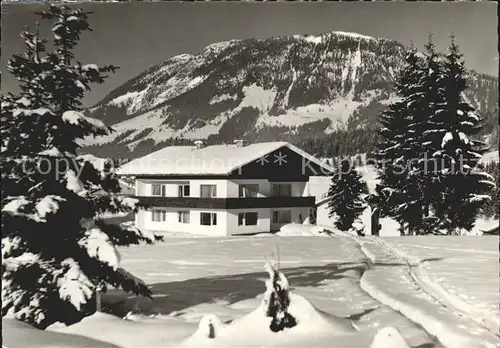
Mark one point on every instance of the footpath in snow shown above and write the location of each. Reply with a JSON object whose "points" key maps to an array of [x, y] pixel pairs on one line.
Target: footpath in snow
{"points": [[400, 283], [463, 278]]}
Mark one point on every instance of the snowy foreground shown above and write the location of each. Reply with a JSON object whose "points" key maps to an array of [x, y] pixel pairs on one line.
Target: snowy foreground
{"points": [[434, 291]]}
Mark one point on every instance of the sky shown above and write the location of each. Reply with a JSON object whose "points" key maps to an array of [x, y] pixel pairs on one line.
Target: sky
{"points": [[136, 36]]}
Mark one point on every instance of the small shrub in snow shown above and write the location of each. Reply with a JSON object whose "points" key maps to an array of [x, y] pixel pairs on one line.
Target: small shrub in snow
{"points": [[277, 300]]}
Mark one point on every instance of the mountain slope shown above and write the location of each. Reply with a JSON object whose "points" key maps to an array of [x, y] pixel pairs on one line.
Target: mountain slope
{"points": [[283, 88]]}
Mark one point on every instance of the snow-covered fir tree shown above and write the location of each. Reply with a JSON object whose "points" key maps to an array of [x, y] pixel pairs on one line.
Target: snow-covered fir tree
{"points": [[423, 104], [428, 136], [56, 252], [462, 184], [345, 202], [400, 190], [419, 102]]}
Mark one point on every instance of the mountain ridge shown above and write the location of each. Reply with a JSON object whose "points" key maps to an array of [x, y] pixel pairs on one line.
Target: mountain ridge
{"points": [[282, 88]]}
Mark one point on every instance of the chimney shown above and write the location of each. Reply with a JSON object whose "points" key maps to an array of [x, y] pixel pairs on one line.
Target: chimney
{"points": [[239, 143], [199, 144]]}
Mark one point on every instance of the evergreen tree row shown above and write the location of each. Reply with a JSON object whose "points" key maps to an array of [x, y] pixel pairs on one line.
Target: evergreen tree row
{"points": [[429, 149]]}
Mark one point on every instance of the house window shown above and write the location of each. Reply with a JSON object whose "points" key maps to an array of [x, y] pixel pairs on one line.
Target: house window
{"points": [[158, 215], [247, 219], [208, 219], [158, 190], [183, 217], [282, 216], [208, 191], [282, 190], [184, 191], [248, 190]]}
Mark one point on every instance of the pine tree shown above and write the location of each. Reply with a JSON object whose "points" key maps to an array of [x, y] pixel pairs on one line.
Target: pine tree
{"points": [[390, 150], [426, 102], [345, 201], [463, 185], [56, 252], [399, 189]]}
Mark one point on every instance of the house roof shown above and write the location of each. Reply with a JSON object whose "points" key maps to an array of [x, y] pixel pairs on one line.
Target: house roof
{"points": [[211, 160]]}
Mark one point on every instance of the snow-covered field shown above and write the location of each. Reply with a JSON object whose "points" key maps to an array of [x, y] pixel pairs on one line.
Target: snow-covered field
{"points": [[462, 283], [415, 284], [438, 292]]}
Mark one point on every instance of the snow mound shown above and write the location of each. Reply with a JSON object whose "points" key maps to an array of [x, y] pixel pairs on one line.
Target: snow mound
{"points": [[18, 334], [295, 229], [133, 332], [256, 327], [312, 320], [389, 337], [210, 326]]}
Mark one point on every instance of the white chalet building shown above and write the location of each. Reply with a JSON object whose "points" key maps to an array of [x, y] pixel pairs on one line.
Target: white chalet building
{"points": [[222, 190]]}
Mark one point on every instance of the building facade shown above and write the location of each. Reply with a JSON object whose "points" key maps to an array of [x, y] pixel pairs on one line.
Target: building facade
{"points": [[251, 193]]}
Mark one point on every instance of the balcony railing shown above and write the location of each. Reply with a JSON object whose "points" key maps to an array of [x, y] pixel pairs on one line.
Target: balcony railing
{"points": [[226, 203]]}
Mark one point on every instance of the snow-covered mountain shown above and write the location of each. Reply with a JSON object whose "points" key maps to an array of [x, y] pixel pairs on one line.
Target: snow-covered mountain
{"points": [[281, 88]]}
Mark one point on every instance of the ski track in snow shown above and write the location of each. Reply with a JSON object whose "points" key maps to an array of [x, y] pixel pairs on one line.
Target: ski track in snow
{"points": [[446, 299], [470, 330]]}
